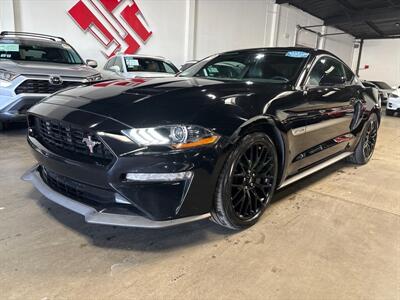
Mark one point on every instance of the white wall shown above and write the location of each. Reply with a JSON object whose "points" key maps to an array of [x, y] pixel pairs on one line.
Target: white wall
{"points": [[227, 25], [383, 58], [290, 17], [182, 29]]}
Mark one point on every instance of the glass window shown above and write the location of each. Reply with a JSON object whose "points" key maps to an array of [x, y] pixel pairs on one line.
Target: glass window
{"points": [[110, 63], [349, 74], [142, 64], [29, 50], [118, 62], [326, 71], [169, 69], [264, 66]]}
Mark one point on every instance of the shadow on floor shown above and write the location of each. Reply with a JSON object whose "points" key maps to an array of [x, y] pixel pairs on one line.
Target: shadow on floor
{"points": [[159, 240], [15, 129]]}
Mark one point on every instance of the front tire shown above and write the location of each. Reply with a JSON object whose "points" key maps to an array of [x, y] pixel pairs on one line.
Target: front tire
{"points": [[366, 145], [246, 183]]}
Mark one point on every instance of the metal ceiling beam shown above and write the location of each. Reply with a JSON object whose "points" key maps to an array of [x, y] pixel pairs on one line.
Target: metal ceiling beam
{"points": [[364, 15], [374, 28]]}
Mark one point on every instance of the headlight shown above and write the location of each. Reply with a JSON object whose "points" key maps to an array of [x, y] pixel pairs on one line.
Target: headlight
{"points": [[96, 77], [393, 96], [6, 75], [175, 136]]}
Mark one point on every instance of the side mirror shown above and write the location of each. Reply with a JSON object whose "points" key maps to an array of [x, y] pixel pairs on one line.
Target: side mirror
{"points": [[91, 63], [329, 80], [115, 69]]}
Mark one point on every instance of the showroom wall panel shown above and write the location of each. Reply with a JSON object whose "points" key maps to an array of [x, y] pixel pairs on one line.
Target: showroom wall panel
{"points": [[182, 29], [342, 45], [383, 58], [51, 17], [226, 25], [290, 17]]}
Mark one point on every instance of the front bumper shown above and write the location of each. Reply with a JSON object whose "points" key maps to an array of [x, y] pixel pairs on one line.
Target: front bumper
{"points": [[18, 105], [14, 104], [393, 105], [93, 215]]}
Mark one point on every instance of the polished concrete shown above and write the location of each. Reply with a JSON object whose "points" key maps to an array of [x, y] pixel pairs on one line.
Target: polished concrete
{"points": [[334, 235]]}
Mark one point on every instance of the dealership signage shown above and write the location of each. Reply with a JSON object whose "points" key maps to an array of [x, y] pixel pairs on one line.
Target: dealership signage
{"points": [[118, 25]]}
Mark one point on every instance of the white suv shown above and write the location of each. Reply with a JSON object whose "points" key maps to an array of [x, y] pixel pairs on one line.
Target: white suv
{"points": [[393, 104], [33, 66]]}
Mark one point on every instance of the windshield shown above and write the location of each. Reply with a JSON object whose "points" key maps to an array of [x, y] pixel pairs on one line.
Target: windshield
{"points": [[382, 85], [27, 50], [263, 66], [135, 64]]}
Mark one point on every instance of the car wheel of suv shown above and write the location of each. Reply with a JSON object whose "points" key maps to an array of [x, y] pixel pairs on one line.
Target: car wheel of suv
{"points": [[366, 145], [389, 112], [246, 183], [2, 126]]}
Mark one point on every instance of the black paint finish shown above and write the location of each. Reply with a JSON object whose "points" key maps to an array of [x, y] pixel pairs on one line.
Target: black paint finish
{"points": [[307, 125]]}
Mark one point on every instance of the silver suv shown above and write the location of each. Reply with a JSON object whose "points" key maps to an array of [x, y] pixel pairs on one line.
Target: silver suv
{"points": [[33, 66]]}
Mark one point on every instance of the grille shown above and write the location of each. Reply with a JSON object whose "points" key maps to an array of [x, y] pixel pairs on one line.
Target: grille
{"points": [[34, 86], [77, 190], [67, 140]]}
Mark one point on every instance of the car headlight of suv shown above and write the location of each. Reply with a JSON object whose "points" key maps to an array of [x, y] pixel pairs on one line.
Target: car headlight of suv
{"points": [[393, 95], [6, 77], [174, 136], [95, 77]]}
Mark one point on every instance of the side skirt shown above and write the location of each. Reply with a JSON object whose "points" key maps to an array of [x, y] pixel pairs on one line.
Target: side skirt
{"points": [[314, 169]]}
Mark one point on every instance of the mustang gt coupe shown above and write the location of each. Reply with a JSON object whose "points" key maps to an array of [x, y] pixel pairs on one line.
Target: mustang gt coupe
{"points": [[214, 142]]}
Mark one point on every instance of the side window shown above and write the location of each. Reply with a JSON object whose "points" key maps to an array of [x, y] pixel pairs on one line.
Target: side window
{"points": [[110, 63], [326, 72], [118, 62], [168, 68], [349, 74]]}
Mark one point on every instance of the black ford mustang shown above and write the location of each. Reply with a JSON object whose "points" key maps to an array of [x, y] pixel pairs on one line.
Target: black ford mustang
{"points": [[217, 140]]}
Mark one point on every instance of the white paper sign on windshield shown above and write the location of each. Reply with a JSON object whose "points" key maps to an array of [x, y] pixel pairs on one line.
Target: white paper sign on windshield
{"points": [[9, 47]]}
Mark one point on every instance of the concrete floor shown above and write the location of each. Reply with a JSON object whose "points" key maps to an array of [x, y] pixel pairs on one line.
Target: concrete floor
{"points": [[334, 235]]}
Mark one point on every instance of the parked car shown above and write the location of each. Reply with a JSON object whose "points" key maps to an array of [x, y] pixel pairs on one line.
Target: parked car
{"points": [[187, 64], [210, 142], [134, 66], [384, 89], [393, 105], [33, 66]]}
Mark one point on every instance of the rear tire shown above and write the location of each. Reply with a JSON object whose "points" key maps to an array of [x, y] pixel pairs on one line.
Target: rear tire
{"points": [[246, 183], [366, 145], [2, 126]]}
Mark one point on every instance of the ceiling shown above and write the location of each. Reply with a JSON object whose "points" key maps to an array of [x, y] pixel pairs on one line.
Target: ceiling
{"points": [[366, 19]]}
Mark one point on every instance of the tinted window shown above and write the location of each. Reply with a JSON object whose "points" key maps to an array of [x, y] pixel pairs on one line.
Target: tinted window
{"points": [[349, 74], [27, 50], [264, 66], [110, 63], [325, 68], [168, 68], [138, 64], [118, 62]]}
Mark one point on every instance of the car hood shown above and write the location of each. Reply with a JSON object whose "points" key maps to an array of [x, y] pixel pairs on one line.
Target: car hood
{"points": [[150, 102], [46, 68]]}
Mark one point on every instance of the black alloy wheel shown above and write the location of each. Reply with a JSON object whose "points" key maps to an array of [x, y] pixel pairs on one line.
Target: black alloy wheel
{"points": [[370, 139], [366, 146], [246, 183]]}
